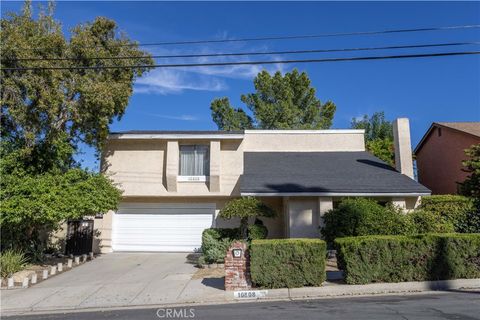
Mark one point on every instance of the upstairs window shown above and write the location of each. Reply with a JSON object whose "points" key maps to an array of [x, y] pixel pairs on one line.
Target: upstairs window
{"points": [[194, 161]]}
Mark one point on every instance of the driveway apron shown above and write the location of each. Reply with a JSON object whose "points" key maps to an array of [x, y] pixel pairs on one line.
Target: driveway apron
{"points": [[116, 279]]}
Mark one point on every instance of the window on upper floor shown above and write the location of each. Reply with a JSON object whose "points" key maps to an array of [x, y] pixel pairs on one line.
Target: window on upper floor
{"points": [[194, 163]]}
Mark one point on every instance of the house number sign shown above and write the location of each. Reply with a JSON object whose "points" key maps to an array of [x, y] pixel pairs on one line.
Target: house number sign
{"points": [[237, 253], [250, 294]]}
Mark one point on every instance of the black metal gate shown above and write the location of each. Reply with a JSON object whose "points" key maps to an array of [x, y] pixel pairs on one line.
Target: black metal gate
{"points": [[79, 237]]}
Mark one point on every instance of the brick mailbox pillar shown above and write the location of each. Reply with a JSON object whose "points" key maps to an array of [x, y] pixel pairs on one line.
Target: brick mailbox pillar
{"points": [[237, 267]]}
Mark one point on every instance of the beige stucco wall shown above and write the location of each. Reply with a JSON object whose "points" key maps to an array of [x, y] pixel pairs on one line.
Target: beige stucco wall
{"points": [[102, 233], [149, 167], [103, 226], [403, 147], [137, 166], [307, 141], [143, 168]]}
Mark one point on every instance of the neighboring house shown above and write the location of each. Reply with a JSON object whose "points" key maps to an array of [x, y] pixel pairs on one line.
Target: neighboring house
{"points": [[440, 154], [176, 182]]}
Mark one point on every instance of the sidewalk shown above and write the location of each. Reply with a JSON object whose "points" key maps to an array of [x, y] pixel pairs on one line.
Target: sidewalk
{"points": [[209, 291]]}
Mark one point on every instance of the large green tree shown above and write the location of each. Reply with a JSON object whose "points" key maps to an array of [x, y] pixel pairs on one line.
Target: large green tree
{"points": [[378, 136], [279, 102], [48, 112], [32, 204]]}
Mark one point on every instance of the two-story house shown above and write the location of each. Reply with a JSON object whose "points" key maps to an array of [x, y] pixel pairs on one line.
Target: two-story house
{"points": [[175, 182]]}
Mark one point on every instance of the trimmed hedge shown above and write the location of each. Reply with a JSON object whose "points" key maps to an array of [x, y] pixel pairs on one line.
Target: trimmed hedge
{"points": [[409, 258], [290, 263]]}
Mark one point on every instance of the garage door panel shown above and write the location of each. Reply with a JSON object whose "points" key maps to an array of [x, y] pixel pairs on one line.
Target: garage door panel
{"points": [[166, 235], [163, 210], [149, 221], [154, 248], [156, 206], [167, 227]]}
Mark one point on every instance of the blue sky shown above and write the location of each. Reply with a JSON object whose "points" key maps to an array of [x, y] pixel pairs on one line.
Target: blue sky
{"points": [[424, 90]]}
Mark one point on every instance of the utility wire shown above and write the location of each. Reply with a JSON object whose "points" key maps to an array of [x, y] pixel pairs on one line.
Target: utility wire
{"points": [[186, 65], [231, 54], [293, 37], [322, 35]]}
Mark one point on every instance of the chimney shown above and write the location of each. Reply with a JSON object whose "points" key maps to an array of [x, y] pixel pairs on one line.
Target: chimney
{"points": [[403, 147]]}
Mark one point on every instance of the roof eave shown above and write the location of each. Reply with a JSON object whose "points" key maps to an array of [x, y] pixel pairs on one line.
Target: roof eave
{"points": [[335, 194], [166, 136], [427, 134]]}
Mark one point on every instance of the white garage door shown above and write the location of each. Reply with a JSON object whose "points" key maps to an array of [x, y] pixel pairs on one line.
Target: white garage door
{"points": [[161, 227]]}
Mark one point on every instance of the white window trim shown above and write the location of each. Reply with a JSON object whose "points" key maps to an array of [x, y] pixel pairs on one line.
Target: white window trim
{"points": [[192, 178], [184, 178]]}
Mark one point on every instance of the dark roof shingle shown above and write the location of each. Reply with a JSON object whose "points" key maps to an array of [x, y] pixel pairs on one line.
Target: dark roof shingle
{"points": [[323, 172]]}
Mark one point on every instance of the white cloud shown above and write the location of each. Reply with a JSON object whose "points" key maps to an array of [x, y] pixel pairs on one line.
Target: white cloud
{"points": [[236, 71], [210, 78], [167, 81], [183, 117]]}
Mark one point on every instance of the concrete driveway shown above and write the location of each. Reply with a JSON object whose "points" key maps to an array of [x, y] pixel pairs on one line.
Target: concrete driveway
{"points": [[113, 280]]}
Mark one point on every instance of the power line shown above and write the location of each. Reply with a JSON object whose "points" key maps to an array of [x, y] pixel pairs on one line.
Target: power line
{"points": [[187, 65], [230, 54], [322, 35], [292, 37]]}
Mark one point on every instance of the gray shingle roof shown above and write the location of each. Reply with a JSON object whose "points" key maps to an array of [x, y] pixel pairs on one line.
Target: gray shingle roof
{"points": [[323, 172]]}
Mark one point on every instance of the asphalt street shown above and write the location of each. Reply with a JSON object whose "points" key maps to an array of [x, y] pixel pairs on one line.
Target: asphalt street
{"points": [[447, 305]]}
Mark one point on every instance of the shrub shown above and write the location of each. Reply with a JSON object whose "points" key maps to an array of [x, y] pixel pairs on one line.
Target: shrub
{"points": [[12, 261], [422, 221], [245, 208], [457, 210], [471, 186], [287, 263], [361, 216], [215, 242], [409, 258], [257, 231]]}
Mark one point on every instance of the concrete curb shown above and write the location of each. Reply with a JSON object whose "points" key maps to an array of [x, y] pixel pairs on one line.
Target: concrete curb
{"points": [[382, 288], [328, 291]]}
